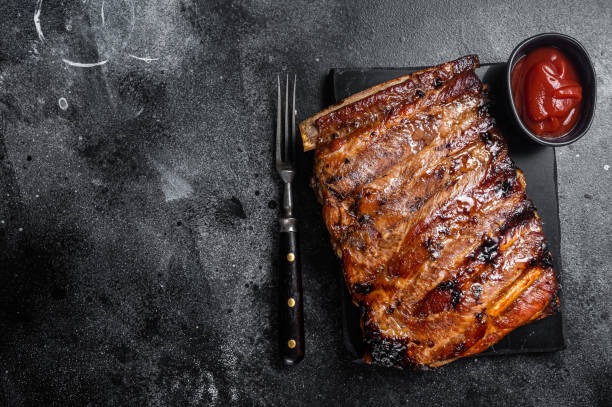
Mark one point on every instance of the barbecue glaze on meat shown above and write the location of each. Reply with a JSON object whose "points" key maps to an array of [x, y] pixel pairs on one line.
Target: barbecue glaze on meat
{"points": [[441, 248]]}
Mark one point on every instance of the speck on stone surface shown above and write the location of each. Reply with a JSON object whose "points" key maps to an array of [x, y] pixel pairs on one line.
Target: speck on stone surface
{"points": [[63, 103], [83, 316]]}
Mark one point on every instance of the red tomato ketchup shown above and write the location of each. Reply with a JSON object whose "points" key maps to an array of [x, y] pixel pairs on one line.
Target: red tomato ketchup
{"points": [[546, 92]]}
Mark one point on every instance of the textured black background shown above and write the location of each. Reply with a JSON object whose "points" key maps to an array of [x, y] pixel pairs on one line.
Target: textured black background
{"points": [[138, 225]]}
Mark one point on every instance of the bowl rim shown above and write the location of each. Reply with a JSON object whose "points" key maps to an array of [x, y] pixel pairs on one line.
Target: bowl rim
{"points": [[509, 66]]}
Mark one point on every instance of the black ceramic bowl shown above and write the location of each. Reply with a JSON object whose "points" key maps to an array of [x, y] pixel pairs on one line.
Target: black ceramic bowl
{"points": [[579, 56]]}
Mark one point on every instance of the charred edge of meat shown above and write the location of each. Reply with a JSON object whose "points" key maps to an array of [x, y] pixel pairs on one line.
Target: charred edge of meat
{"points": [[486, 137], [365, 218], [447, 285], [363, 288], [333, 179], [452, 286], [463, 84], [466, 62], [363, 310], [488, 250], [384, 351], [524, 213], [334, 193], [459, 65], [504, 188], [485, 109], [395, 305], [501, 167], [553, 306], [317, 189], [546, 259]]}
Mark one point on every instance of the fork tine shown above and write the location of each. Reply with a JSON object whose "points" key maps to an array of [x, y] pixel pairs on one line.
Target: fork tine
{"points": [[293, 139], [279, 158], [287, 141]]}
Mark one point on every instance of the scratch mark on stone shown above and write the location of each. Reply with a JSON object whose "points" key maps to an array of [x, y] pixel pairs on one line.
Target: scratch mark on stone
{"points": [[102, 14], [148, 60], [84, 64], [37, 11]]}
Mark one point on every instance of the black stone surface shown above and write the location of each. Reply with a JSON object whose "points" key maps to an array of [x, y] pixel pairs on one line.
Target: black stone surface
{"points": [[138, 218]]}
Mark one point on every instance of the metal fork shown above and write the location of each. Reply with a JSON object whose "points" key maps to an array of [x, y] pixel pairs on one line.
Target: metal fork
{"points": [[291, 307]]}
